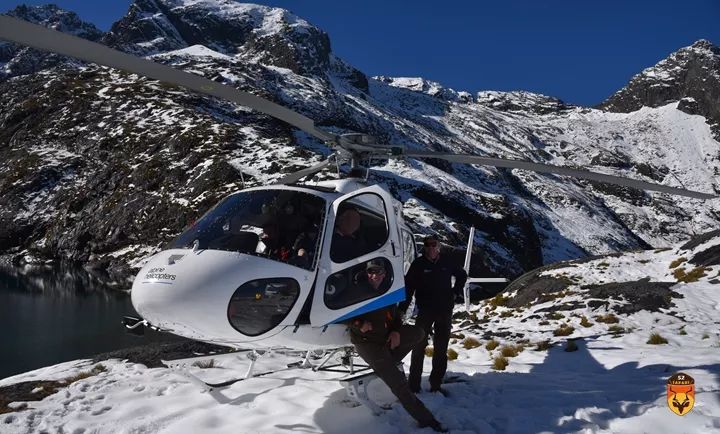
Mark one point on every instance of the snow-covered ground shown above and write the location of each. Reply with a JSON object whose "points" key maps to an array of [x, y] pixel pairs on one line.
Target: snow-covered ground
{"points": [[615, 382]]}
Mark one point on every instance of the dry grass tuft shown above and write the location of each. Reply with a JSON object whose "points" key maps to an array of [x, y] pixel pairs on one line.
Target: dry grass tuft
{"points": [[543, 346], [500, 363], [498, 300], [563, 330], [616, 329], [571, 346], [470, 343], [491, 345], [677, 262], [429, 351], [692, 276], [511, 350], [452, 354], [585, 322], [607, 319], [656, 339]]}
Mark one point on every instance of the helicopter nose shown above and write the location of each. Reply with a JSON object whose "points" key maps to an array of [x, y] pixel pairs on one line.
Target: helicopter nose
{"points": [[186, 293], [217, 295]]}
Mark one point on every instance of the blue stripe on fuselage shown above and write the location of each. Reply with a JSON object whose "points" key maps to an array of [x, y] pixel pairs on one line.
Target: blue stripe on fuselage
{"points": [[386, 300]]}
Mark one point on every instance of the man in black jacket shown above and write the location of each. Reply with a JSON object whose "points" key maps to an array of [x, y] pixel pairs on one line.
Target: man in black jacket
{"points": [[383, 341], [429, 278]]}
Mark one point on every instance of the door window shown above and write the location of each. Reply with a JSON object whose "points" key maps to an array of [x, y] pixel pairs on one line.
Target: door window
{"points": [[360, 227], [358, 283]]}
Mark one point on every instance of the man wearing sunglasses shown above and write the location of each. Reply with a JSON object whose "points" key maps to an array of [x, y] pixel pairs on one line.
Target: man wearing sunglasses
{"points": [[429, 279], [382, 340]]}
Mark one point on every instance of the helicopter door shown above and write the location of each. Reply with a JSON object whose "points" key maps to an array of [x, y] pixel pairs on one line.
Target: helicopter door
{"points": [[361, 268]]}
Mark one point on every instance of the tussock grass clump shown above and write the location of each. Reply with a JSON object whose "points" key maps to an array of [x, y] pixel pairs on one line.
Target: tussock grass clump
{"points": [[506, 314], [491, 345], [470, 342], [511, 350], [457, 335], [571, 346], [585, 322], [500, 363], [692, 276], [682, 331], [603, 264], [607, 319], [706, 336], [544, 323], [429, 351], [677, 262], [563, 330], [452, 354], [555, 315], [616, 329], [205, 364], [498, 300], [543, 346], [656, 339]]}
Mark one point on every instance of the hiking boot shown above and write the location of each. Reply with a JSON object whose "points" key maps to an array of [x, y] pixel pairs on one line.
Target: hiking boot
{"points": [[435, 425]]}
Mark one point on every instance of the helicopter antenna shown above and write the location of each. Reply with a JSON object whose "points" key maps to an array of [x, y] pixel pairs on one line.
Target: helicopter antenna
{"points": [[351, 146]]}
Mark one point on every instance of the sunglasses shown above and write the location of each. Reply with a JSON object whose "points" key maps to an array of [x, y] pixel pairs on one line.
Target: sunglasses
{"points": [[376, 271]]}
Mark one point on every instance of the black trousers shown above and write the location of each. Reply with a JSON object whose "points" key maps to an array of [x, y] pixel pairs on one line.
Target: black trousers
{"points": [[440, 324], [384, 362]]}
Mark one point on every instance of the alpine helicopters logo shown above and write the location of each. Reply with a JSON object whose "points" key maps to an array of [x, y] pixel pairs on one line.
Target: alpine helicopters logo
{"points": [[680, 393]]}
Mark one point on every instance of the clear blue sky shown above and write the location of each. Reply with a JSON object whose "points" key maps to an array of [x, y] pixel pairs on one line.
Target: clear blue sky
{"points": [[578, 50]]}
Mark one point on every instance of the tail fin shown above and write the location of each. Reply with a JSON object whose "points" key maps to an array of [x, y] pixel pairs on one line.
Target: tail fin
{"points": [[468, 255], [466, 289]]}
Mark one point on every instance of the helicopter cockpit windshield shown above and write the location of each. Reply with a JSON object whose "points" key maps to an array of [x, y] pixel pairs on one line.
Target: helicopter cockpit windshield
{"points": [[282, 225]]}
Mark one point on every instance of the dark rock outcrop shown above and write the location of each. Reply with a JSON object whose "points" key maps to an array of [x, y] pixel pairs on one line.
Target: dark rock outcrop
{"points": [[690, 76]]}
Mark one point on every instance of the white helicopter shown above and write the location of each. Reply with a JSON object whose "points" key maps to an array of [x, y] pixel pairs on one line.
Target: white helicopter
{"points": [[218, 282]]}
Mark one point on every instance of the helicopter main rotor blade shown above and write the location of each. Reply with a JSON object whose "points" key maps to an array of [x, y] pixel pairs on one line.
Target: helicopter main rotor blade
{"points": [[547, 168], [296, 176], [36, 36]]}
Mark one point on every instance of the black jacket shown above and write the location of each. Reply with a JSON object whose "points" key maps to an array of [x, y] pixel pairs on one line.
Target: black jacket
{"points": [[432, 285]]}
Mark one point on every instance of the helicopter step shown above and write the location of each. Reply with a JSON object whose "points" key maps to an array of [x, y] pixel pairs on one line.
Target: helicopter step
{"points": [[356, 388]]}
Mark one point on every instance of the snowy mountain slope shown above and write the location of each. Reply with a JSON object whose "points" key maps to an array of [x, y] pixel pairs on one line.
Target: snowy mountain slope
{"points": [[614, 381], [84, 143]]}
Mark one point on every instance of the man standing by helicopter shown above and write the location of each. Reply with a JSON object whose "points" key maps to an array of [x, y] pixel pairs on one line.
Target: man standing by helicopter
{"points": [[429, 278], [383, 341]]}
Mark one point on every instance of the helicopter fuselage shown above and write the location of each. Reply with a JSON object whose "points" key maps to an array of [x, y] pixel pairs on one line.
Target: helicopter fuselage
{"points": [[218, 282]]}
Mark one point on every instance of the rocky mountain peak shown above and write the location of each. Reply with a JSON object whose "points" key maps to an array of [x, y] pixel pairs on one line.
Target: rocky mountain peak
{"points": [[520, 101], [690, 76], [704, 44], [16, 60], [56, 18], [251, 32], [432, 88]]}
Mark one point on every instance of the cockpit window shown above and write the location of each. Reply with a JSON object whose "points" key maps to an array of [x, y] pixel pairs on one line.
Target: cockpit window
{"points": [[282, 225]]}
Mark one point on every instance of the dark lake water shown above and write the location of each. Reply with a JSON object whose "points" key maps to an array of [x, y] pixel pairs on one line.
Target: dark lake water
{"points": [[54, 314]]}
